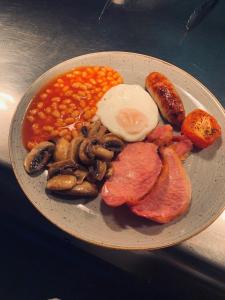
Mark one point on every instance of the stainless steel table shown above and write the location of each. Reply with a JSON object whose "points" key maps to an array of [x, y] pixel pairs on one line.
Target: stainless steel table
{"points": [[36, 35]]}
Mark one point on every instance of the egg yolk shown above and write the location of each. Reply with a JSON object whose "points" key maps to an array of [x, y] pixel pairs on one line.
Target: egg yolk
{"points": [[132, 120]]}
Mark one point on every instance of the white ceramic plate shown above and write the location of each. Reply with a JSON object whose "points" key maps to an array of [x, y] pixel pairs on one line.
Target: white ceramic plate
{"points": [[118, 228]]}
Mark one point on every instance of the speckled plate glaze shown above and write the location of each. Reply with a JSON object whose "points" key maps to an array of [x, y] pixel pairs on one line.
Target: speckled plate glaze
{"points": [[117, 228]]}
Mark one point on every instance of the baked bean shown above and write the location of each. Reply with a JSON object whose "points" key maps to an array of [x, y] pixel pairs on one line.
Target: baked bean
{"points": [[65, 88], [56, 113], [30, 119], [84, 74], [54, 133], [72, 105], [89, 85], [40, 104], [87, 115], [66, 101], [69, 93], [44, 96], [69, 75], [41, 115], [48, 128], [33, 112], [75, 113], [69, 120], [93, 81], [82, 103], [48, 110], [63, 132], [62, 106]]}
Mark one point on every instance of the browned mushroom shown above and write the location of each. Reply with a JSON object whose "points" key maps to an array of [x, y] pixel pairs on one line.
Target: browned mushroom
{"points": [[112, 142], [84, 131], [94, 127], [84, 157], [102, 153], [86, 189], [97, 171], [80, 175], [109, 171], [61, 149], [61, 183], [65, 167], [73, 152], [38, 157]]}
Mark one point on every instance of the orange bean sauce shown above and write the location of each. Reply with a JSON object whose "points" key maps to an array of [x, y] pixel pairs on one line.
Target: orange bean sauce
{"points": [[63, 106]]}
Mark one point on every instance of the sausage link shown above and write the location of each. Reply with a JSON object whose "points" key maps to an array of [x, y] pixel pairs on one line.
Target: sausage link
{"points": [[166, 97]]}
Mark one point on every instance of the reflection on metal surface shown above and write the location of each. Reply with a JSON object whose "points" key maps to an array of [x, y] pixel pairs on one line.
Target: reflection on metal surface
{"points": [[5, 101], [7, 107], [107, 3], [118, 2]]}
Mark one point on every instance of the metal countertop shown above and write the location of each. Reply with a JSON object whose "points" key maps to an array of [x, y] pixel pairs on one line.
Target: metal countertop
{"points": [[34, 36]]}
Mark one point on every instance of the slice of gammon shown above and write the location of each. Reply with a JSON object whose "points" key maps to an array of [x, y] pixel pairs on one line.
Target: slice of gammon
{"points": [[161, 135], [134, 174], [171, 195], [182, 146]]}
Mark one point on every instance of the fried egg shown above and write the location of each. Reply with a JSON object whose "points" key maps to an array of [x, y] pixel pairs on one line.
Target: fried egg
{"points": [[128, 111]]}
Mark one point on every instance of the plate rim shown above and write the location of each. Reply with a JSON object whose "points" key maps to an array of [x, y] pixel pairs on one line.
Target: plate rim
{"points": [[76, 234]]}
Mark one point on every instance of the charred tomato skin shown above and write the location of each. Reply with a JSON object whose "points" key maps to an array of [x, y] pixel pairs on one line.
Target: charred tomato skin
{"points": [[201, 128]]}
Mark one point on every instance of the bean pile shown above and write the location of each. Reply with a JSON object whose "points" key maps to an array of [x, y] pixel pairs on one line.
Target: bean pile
{"points": [[63, 106]]}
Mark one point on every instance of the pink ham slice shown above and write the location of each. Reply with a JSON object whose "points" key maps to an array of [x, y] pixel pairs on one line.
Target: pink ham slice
{"points": [[171, 195], [134, 174], [161, 135], [182, 146]]}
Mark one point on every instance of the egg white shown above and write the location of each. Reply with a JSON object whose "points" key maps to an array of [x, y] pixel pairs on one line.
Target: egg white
{"points": [[125, 96]]}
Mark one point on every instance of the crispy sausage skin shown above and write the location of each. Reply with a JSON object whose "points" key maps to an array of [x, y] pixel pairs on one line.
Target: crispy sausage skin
{"points": [[166, 97]]}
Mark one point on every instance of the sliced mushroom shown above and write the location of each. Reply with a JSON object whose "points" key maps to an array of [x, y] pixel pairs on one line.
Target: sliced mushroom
{"points": [[61, 149], [61, 183], [73, 152], [112, 142], [102, 153], [65, 167], [80, 175], [38, 157], [84, 157], [84, 189], [89, 149], [94, 128], [97, 171], [84, 131], [109, 172]]}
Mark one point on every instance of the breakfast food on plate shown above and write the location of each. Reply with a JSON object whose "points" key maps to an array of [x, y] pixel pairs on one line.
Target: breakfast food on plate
{"points": [[134, 173], [201, 128], [171, 195], [94, 135], [66, 102], [38, 157], [161, 135], [182, 145], [76, 168], [128, 111], [166, 97]]}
